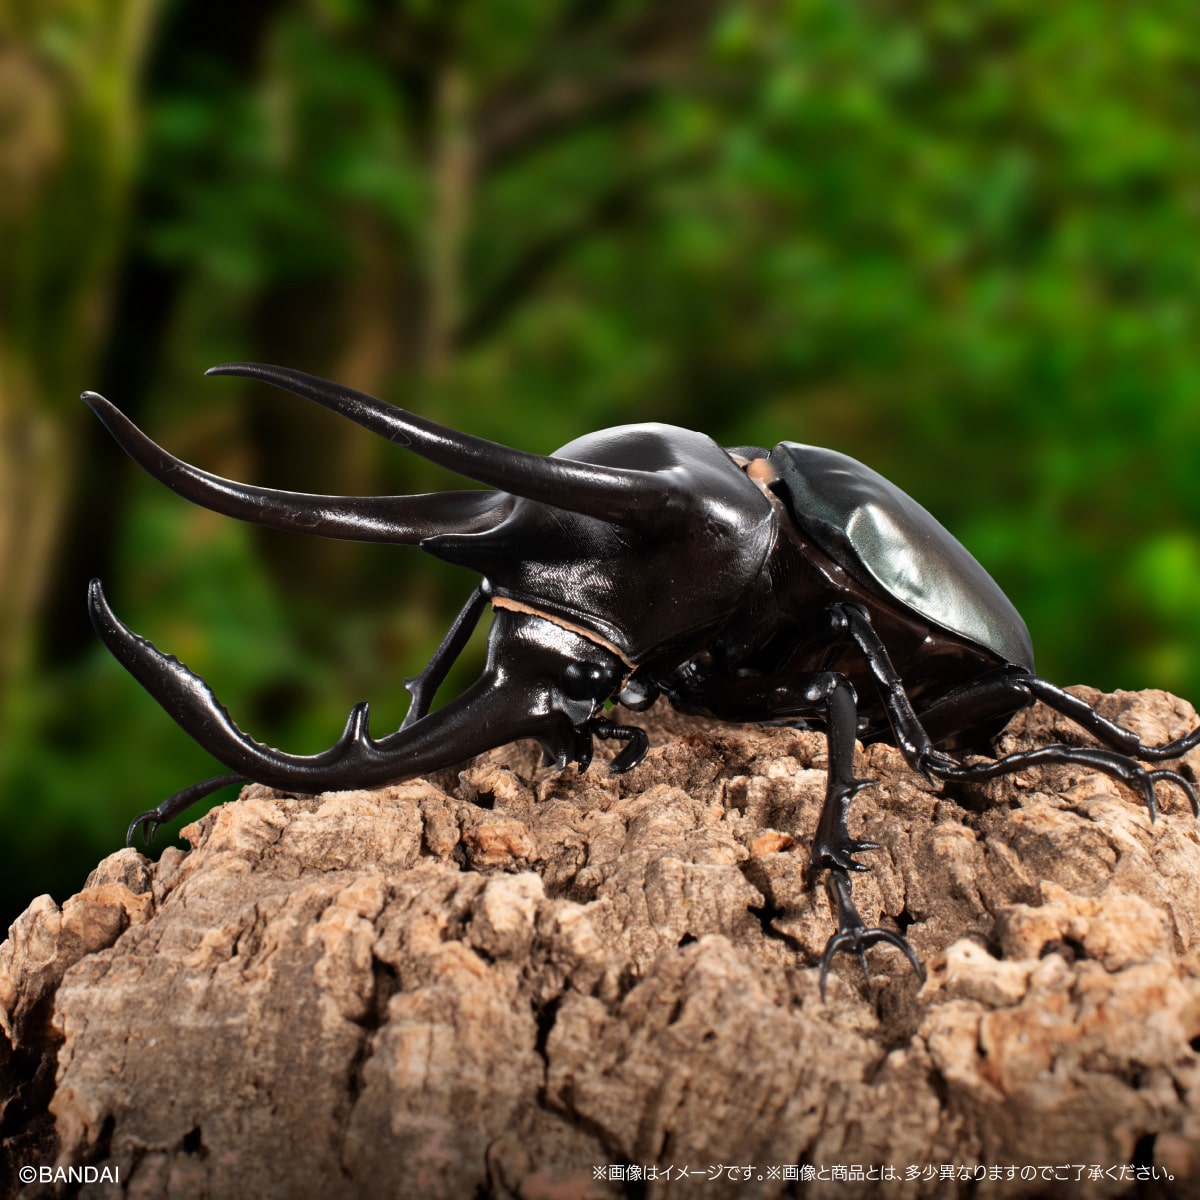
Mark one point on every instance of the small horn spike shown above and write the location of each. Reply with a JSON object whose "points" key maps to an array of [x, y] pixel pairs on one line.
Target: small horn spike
{"points": [[358, 727]]}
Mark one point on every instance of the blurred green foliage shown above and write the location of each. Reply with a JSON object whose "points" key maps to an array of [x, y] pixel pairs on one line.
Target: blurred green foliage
{"points": [[959, 242]]}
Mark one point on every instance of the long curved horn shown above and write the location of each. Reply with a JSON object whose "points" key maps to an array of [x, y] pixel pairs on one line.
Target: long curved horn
{"points": [[625, 497], [395, 519], [506, 703]]}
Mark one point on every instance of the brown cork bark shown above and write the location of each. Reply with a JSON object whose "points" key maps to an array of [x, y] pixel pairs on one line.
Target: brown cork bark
{"points": [[514, 982]]}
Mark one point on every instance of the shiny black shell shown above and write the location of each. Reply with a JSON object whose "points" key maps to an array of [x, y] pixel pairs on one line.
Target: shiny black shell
{"points": [[885, 540]]}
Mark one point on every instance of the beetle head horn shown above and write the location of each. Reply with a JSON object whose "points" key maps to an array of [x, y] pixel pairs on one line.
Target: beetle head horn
{"points": [[621, 495]]}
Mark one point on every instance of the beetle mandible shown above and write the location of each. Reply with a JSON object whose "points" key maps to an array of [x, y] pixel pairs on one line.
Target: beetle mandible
{"points": [[642, 561]]}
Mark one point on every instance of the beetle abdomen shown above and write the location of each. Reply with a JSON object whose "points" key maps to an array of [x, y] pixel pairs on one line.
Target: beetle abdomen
{"points": [[883, 537]]}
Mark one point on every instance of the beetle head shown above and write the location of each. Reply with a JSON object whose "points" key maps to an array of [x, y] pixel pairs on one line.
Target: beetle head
{"points": [[643, 537]]}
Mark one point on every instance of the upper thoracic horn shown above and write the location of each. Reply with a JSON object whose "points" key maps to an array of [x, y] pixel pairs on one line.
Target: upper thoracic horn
{"points": [[395, 519], [625, 497]]}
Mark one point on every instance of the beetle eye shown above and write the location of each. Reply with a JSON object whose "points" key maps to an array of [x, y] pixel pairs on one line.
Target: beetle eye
{"points": [[588, 681]]}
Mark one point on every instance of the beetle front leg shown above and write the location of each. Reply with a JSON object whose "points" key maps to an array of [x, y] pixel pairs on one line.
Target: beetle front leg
{"points": [[541, 681], [423, 686], [149, 821]]}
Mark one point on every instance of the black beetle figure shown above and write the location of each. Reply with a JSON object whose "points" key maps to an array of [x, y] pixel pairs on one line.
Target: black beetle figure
{"points": [[645, 560]]}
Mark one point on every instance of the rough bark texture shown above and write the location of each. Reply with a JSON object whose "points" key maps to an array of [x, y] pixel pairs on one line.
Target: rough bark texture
{"points": [[495, 981]]}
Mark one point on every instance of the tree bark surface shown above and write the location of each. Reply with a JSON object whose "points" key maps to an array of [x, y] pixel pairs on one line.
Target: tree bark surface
{"points": [[515, 982]]}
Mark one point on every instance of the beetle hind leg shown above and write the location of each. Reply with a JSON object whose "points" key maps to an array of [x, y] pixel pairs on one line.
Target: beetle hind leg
{"points": [[1008, 689], [1109, 732], [1109, 762]]}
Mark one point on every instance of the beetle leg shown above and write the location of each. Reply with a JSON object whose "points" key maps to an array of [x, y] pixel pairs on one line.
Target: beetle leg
{"points": [[826, 695], [830, 695], [423, 686], [1007, 690], [516, 697], [149, 821], [1011, 688], [632, 754], [852, 935], [1184, 784], [1119, 766], [854, 624], [1116, 736]]}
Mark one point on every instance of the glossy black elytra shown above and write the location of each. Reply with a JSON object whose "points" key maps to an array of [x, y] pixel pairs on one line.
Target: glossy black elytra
{"points": [[744, 584]]}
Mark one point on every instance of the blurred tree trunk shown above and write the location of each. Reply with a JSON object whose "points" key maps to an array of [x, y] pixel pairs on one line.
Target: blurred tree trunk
{"points": [[144, 292], [69, 72], [34, 479], [452, 174]]}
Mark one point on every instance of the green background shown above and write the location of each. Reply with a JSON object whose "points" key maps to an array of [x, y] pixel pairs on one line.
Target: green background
{"points": [[960, 242]]}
